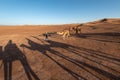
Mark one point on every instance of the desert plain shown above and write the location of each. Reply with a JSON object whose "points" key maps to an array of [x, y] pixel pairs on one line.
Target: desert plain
{"points": [[93, 54]]}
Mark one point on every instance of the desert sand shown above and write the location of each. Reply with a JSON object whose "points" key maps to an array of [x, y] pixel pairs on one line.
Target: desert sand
{"points": [[94, 54]]}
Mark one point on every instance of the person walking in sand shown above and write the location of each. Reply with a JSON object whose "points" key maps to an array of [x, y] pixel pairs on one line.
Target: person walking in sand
{"points": [[46, 36]]}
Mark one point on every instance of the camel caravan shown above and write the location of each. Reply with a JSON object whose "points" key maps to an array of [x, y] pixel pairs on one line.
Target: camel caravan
{"points": [[66, 32], [74, 30]]}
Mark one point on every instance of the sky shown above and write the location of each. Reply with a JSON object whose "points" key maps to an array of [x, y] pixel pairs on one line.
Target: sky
{"points": [[40, 12]]}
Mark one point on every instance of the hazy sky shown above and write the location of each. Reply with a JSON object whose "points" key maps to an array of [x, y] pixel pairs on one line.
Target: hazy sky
{"points": [[13, 12]]}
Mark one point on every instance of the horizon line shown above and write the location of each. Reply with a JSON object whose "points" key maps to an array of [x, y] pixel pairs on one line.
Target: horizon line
{"points": [[54, 24]]}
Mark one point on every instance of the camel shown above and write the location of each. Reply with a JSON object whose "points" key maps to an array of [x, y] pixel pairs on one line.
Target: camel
{"points": [[77, 29], [64, 34]]}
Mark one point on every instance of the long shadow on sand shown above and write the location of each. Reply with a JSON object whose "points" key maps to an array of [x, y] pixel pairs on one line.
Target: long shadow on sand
{"points": [[104, 34], [10, 54], [104, 37], [43, 48]]}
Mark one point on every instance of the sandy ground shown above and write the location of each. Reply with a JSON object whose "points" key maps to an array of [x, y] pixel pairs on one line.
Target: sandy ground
{"points": [[92, 55]]}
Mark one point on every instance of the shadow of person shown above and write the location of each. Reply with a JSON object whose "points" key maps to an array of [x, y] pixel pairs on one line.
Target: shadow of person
{"points": [[1, 52], [12, 53], [1, 55]]}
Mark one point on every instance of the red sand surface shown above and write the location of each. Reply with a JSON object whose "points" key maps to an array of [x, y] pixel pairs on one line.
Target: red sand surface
{"points": [[92, 55]]}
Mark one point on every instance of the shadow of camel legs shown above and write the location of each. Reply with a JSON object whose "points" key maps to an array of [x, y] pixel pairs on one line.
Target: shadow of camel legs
{"points": [[48, 47]]}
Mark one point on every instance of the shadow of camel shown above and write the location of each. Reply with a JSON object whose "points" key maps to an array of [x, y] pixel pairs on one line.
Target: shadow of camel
{"points": [[104, 37], [43, 48], [12, 53]]}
